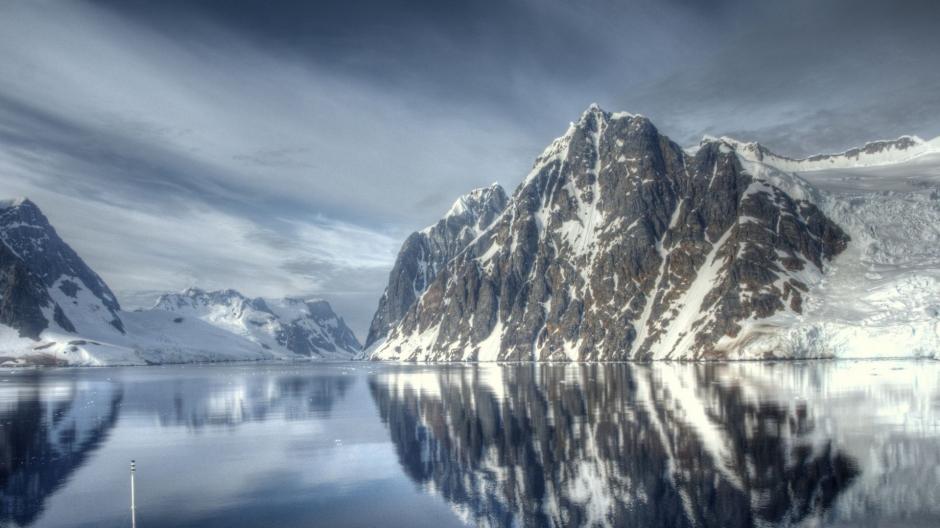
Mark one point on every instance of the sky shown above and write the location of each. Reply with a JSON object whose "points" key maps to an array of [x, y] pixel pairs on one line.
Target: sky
{"points": [[288, 148]]}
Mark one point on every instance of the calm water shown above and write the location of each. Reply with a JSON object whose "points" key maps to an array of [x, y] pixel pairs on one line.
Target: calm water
{"points": [[809, 444]]}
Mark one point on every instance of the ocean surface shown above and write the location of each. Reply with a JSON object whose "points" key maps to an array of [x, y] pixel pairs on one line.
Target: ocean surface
{"points": [[827, 443]]}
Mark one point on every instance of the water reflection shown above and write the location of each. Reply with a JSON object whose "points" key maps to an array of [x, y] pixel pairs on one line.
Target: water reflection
{"points": [[668, 445], [48, 431], [197, 402], [51, 422], [749, 444]]}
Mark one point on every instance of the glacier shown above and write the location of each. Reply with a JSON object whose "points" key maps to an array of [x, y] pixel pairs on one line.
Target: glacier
{"points": [[881, 298]]}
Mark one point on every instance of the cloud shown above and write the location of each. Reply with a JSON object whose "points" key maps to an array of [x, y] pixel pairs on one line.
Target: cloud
{"points": [[142, 252], [167, 164], [288, 150]]}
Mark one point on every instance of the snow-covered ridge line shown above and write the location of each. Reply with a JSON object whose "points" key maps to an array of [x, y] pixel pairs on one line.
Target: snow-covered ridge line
{"points": [[871, 154], [288, 327]]}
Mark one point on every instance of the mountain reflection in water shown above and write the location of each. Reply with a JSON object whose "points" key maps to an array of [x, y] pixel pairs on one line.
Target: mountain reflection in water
{"points": [[658, 445], [46, 432], [842, 444], [51, 422]]}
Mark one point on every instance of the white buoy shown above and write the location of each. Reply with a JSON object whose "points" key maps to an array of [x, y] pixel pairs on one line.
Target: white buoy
{"points": [[133, 498]]}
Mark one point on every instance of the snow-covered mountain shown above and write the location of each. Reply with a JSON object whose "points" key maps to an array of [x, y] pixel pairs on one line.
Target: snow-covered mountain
{"points": [[425, 252], [288, 327], [45, 285], [619, 244], [55, 310]]}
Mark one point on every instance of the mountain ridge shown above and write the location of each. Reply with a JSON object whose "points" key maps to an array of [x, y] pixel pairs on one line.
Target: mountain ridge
{"points": [[872, 154]]}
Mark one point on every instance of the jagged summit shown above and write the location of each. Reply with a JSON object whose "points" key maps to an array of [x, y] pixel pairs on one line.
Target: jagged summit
{"points": [[46, 284], [474, 202], [425, 252], [595, 109], [17, 202], [195, 291]]}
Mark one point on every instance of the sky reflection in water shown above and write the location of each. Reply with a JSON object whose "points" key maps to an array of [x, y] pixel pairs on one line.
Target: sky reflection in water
{"points": [[747, 444]]}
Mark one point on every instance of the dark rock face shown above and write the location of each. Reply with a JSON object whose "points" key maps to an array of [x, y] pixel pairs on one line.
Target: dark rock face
{"points": [[22, 297], [38, 271], [620, 245], [426, 252]]}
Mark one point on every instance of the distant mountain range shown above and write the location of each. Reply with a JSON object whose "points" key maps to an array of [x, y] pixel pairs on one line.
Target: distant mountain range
{"points": [[287, 327], [621, 245], [55, 310]]}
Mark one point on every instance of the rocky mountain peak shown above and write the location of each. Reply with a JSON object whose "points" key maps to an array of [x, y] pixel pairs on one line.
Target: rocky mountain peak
{"points": [[620, 245], [20, 201]]}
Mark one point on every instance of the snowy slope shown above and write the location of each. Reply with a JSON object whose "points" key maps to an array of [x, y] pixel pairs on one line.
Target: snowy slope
{"points": [[872, 154], [881, 297], [292, 329], [288, 328], [151, 337]]}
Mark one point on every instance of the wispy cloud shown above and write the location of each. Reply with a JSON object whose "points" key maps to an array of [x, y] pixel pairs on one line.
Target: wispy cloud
{"points": [[212, 163], [287, 151]]}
